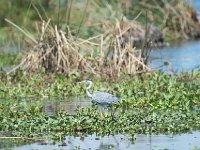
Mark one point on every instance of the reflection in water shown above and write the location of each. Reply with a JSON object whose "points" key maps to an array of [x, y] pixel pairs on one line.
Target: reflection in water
{"points": [[122, 142], [68, 105], [184, 57], [52, 105]]}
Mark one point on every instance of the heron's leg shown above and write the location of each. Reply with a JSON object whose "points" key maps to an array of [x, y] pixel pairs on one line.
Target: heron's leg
{"points": [[102, 110], [114, 111]]}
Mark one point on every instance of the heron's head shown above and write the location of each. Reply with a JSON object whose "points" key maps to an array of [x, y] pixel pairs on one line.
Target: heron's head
{"points": [[86, 81]]}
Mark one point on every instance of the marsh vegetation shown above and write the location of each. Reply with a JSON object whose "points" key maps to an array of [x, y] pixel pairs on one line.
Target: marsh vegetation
{"points": [[151, 104], [105, 41]]}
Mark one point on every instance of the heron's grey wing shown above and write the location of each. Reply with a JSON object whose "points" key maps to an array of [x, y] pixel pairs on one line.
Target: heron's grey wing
{"points": [[104, 98]]}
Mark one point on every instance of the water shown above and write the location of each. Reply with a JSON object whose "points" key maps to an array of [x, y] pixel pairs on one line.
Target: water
{"points": [[196, 4], [121, 142], [68, 105], [181, 57], [54, 104]]}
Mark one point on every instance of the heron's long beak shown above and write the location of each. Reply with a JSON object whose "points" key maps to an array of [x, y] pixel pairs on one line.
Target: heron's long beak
{"points": [[81, 82]]}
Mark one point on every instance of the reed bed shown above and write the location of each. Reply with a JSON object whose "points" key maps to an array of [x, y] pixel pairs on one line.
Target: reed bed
{"points": [[108, 54]]}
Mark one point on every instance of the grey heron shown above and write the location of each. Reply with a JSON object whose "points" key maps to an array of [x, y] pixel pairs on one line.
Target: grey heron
{"points": [[101, 98]]}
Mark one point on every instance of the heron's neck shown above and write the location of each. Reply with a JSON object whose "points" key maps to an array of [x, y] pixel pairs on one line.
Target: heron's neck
{"points": [[88, 93], [88, 88]]}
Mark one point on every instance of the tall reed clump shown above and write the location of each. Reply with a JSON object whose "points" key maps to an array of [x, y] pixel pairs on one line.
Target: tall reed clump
{"points": [[123, 54], [107, 54]]}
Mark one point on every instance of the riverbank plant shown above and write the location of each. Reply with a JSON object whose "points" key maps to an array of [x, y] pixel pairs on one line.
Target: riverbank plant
{"points": [[177, 19], [105, 55], [109, 53]]}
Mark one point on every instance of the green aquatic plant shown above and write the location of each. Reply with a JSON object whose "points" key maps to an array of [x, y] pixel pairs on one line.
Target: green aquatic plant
{"points": [[156, 103]]}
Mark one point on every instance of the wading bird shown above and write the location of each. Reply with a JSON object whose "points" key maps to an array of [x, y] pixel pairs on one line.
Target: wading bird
{"points": [[101, 98]]}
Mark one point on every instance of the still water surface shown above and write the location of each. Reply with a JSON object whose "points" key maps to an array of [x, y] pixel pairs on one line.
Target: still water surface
{"points": [[123, 142], [184, 57]]}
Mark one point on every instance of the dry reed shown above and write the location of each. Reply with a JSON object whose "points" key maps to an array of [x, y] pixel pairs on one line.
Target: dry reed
{"points": [[108, 54]]}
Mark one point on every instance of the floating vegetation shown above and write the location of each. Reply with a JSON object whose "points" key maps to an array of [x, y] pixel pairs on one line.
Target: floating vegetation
{"points": [[166, 104]]}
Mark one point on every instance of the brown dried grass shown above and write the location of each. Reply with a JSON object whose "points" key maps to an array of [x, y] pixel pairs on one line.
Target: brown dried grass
{"points": [[55, 51]]}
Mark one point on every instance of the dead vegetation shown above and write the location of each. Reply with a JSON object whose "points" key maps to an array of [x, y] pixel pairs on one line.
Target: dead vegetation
{"points": [[179, 19], [123, 47], [107, 54]]}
